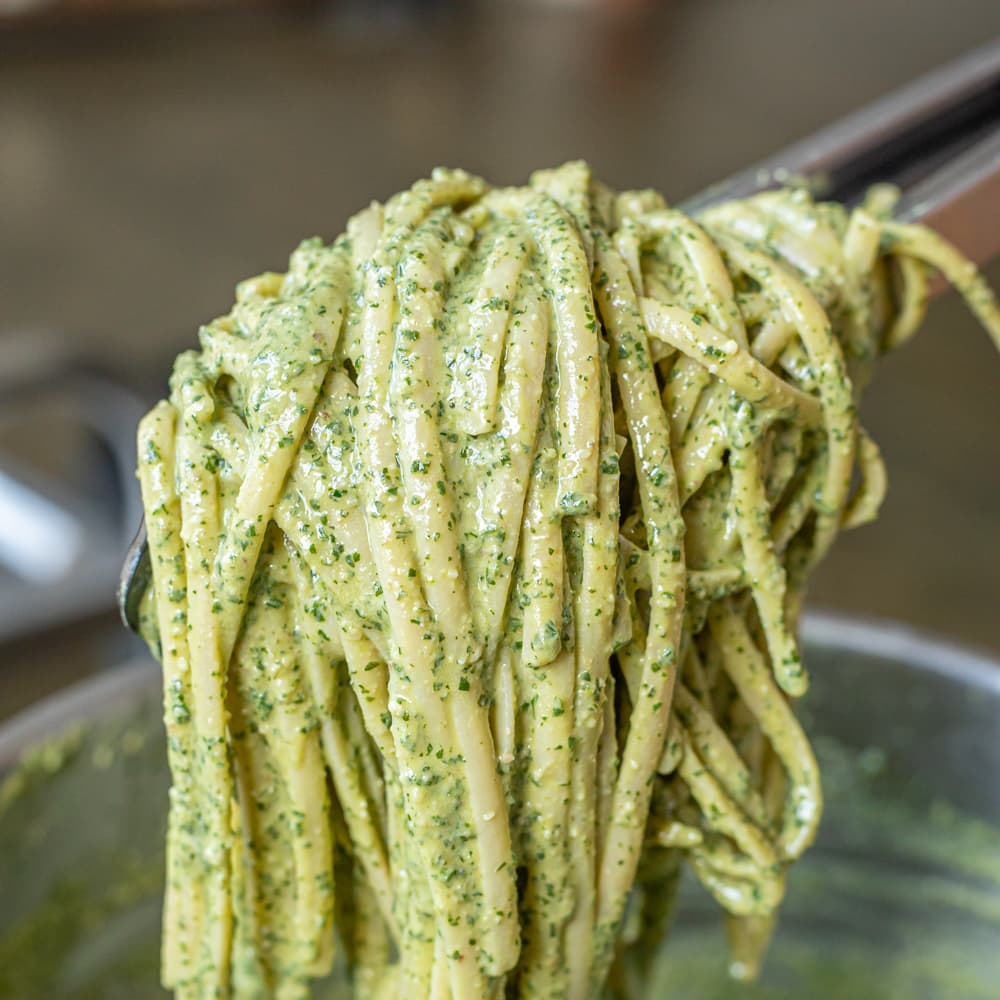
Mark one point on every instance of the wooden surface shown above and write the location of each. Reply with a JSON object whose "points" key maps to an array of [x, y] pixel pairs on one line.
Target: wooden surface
{"points": [[144, 169]]}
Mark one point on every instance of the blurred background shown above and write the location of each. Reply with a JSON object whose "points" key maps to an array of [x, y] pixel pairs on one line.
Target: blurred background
{"points": [[154, 153]]}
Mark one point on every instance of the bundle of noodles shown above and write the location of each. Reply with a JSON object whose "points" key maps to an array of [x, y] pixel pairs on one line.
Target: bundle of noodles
{"points": [[479, 540]]}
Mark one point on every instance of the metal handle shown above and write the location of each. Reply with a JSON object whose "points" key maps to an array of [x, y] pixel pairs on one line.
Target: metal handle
{"points": [[937, 138], [961, 201], [62, 549]]}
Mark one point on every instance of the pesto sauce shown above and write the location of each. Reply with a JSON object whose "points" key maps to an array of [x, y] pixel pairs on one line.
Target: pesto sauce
{"points": [[443, 519]]}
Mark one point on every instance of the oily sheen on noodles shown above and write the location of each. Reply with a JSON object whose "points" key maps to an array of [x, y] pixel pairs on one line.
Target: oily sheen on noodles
{"points": [[479, 540]]}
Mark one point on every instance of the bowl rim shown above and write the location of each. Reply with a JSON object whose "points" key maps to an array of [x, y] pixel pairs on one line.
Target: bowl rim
{"points": [[885, 639], [92, 698]]}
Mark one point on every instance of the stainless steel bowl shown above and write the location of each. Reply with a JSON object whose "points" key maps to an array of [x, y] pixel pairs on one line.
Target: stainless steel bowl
{"points": [[900, 898]]}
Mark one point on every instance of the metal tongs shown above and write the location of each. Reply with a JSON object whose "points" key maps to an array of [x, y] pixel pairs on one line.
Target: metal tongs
{"points": [[937, 139]]}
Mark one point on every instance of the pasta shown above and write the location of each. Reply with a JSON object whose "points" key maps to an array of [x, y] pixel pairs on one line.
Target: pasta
{"points": [[479, 539]]}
